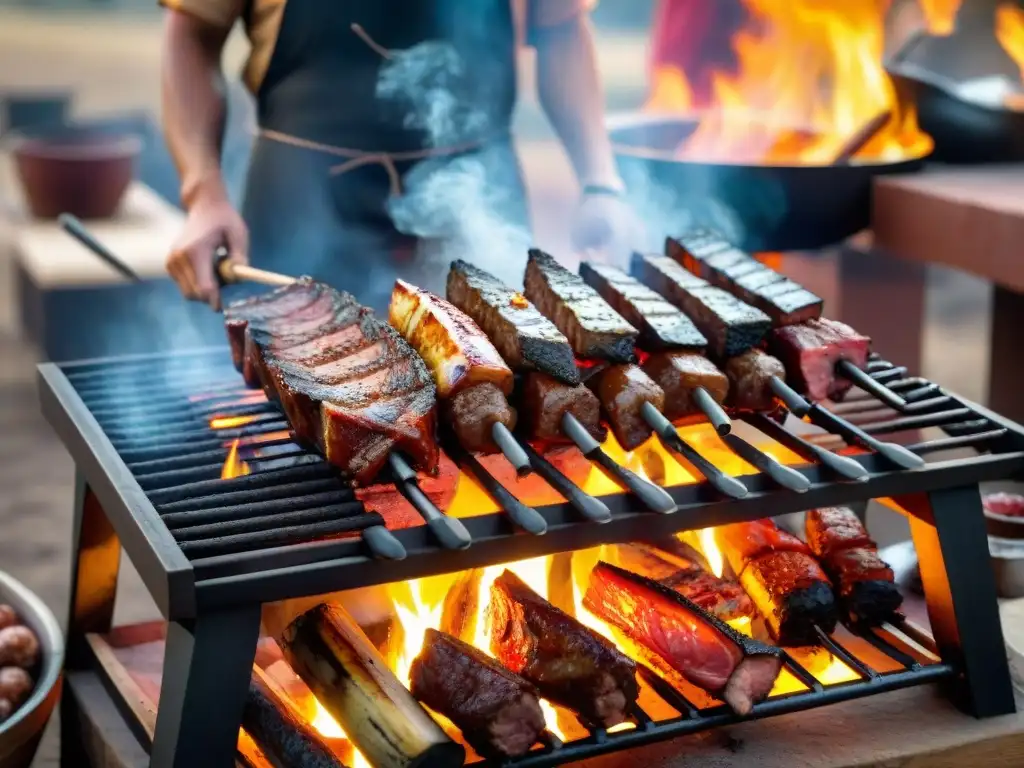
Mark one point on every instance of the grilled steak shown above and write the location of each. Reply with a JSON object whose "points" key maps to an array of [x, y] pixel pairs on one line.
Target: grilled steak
{"points": [[865, 583], [678, 374], [472, 380], [785, 582], [543, 402], [683, 639], [750, 376], [278, 302], [497, 711], [730, 326], [569, 663], [526, 339], [622, 390], [723, 598], [714, 259], [810, 352], [354, 392], [593, 328], [661, 325]]}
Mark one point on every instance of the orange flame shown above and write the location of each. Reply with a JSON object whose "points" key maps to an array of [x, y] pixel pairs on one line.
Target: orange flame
{"points": [[233, 466], [940, 16], [1010, 32], [230, 422]]}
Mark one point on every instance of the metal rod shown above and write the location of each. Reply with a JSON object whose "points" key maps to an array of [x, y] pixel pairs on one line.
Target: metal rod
{"points": [[962, 441], [843, 466], [527, 518], [916, 422], [904, 659], [890, 374], [591, 508], [800, 672], [844, 655], [221, 514], [449, 531], [654, 498], [720, 481], [77, 230], [513, 451], [785, 476], [269, 522], [716, 415], [864, 381], [241, 542], [217, 491], [382, 543]]}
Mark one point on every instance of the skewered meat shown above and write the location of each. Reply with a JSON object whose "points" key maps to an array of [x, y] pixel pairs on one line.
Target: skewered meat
{"points": [[496, 710], [678, 374], [544, 401], [622, 390], [472, 380], [277, 303], [684, 639], [356, 393], [866, 584], [569, 663], [714, 259], [723, 598], [526, 339], [593, 328], [661, 325], [750, 376], [810, 352], [730, 326], [785, 582]]}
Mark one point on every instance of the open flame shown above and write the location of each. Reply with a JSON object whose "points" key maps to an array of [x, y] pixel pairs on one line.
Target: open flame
{"points": [[940, 16], [1010, 32], [233, 465]]}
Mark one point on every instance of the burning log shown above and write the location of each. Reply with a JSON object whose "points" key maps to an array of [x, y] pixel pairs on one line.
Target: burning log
{"points": [[570, 664], [682, 640], [497, 711], [352, 681], [458, 614]]}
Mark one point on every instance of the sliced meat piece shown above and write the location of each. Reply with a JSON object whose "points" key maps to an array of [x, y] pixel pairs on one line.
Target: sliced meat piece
{"points": [[742, 542], [497, 711], [794, 595], [686, 640], [810, 352], [831, 529], [278, 302], [569, 663], [526, 339], [700, 244], [661, 325], [730, 326], [472, 414], [750, 376], [593, 328], [622, 390], [543, 402], [678, 374]]}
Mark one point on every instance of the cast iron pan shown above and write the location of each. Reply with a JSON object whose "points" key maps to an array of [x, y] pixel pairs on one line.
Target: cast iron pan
{"points": [[761, 207]]}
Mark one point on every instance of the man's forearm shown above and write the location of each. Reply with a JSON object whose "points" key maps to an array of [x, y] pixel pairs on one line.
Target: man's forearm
{"points": [[569, 86], [194, 108]]}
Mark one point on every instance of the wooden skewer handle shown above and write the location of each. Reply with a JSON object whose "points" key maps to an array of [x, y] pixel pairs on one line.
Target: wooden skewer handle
{"points": [[228, 273]]}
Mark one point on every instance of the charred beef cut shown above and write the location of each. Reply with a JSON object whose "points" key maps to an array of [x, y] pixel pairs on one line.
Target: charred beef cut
{"points": [[714, 259], [785, 582], [750, 376], [526, 339], [661, 325], [683, 639], [593, 328], [278, 302], [623, 390], [866, 584], [497, 711], [543, 402], [730, 326], [810, 352], [678, 374], [569, 663], [354, 392], [471, 377]]}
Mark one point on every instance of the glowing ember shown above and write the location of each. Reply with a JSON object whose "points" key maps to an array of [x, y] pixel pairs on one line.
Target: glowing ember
{"points": [[230, 422], [266, 437], [1010, 32], [940, 16], [233, 466]]}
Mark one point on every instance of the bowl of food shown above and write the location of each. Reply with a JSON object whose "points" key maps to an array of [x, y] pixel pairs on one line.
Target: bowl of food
{"points": [[31, 659], [84, 171], [1004, 515]]}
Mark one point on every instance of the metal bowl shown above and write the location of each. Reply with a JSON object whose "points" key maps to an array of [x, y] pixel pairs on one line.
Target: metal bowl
{"points": [[21, 732], [761, 207]]}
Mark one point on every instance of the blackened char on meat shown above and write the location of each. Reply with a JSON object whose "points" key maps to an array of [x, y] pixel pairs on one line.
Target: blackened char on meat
{"points": [[569, 663], [497, 711], [526, 339], [349, 384], [810, 351], [593, 328]]}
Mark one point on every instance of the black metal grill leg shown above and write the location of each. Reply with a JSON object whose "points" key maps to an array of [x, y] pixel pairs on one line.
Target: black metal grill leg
{"points": [[207, 667], [960, 591]]}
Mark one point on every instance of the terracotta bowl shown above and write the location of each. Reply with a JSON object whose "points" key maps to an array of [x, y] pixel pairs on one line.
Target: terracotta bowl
{"points": [[82, 171], [20, 733]]}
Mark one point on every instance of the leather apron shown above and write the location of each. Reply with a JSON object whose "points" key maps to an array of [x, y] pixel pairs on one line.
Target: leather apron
{"points": [[334, 158]]}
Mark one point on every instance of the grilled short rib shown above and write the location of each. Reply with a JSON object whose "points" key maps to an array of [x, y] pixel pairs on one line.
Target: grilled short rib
{"points": [[750, 376], [623, 389], [661, 325], [713, 258], [682, 639], [277, 303], [866, 584], [526, 339], [471, 377], [544, 401], [348, 383], [569, 663], [497, 711], [593, 328], [810, 352], [730, 326], [678, 374], [788, 586]]}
